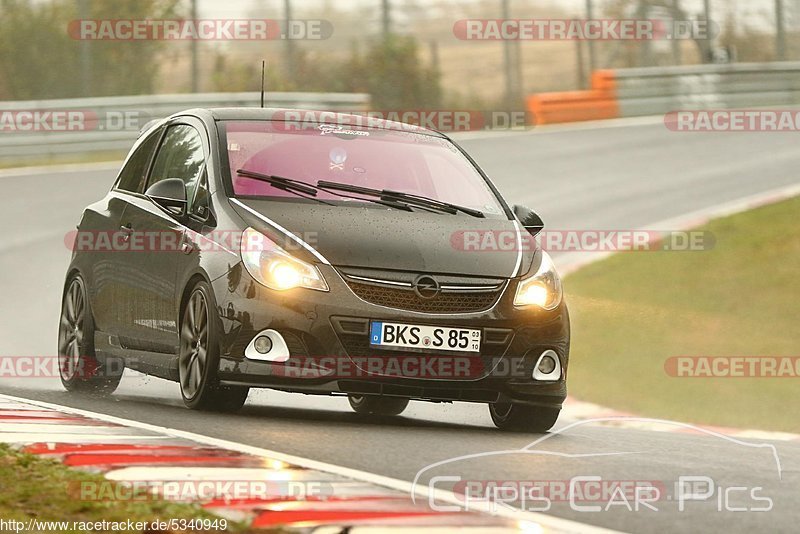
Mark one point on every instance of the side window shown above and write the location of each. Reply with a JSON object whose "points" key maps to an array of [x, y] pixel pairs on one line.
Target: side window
{"points": [[132, 176], [180, 156]]}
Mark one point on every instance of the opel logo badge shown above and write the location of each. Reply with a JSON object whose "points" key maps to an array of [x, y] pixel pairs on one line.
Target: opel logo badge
{"points": [[426, 287]]}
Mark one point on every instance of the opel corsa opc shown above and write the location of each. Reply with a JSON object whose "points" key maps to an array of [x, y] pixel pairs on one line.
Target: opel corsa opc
{"points": [[318, 254]]}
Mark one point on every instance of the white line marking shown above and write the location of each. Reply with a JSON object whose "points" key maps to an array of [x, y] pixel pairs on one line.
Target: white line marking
{"points": [[578, 410], [68, 167], [572, 261], [190, 472], [65, 427], [555, 523], [27, 437], [544, 129]]}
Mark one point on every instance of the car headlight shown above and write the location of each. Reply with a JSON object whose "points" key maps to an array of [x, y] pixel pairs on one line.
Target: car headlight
{"points": [[543, 289], [272, 266]]}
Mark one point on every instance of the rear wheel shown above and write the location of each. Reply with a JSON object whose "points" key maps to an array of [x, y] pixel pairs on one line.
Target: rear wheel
{"points": [[79, 367], [198, 357], [373, 405], [523, 417]]}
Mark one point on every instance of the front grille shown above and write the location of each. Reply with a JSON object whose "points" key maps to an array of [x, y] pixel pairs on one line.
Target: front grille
{"points": [[406, 299], [395, 290]]}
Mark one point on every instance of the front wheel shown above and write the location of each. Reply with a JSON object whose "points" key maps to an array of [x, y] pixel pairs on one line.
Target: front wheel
{"points": [[523, 417], [198, 357], [372, 405]]}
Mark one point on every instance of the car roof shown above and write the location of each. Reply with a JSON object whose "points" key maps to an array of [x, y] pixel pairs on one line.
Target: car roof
{"points": [[318, 117]]}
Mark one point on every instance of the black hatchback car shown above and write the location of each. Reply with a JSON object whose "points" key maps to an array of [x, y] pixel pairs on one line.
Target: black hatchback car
{"points": [[316, 253]]}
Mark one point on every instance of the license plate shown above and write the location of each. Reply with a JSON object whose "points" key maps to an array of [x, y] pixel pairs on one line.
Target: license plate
{"points": [[397, 335]]}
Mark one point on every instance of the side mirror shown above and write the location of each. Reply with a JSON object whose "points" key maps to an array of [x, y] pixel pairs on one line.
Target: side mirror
{"points": [[530, 219], [170, 194]]}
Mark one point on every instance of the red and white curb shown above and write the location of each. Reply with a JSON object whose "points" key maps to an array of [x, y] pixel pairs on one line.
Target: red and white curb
{"points": [[134, 452], [597, 415]]}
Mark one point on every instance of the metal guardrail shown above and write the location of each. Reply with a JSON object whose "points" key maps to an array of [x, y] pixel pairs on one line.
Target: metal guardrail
{"points": [[615, 93], [111, 124], [661, 90]]}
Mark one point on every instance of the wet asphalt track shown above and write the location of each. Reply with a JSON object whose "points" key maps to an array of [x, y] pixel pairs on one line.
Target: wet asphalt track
{"points": [[587, 178]]}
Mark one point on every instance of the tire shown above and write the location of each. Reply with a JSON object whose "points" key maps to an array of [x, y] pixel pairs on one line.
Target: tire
{"points": [[522, 417], [198, 357], [373, 405], [79, 367]]}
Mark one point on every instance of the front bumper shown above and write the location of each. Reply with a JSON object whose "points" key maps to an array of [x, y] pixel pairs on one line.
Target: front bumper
{"points": [[327, 334]]}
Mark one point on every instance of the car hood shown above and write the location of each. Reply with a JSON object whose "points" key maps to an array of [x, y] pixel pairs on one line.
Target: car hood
{"points": [[370, 237]]}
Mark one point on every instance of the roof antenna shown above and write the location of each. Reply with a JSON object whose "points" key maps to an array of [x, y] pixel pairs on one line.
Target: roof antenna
{"points": [[263, 65]]}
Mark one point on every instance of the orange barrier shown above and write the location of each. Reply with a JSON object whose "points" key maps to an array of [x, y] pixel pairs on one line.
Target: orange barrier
{"points": [[600, 102]]}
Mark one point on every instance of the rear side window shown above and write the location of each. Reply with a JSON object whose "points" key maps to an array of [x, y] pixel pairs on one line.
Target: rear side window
{"points": [[133, 174]]}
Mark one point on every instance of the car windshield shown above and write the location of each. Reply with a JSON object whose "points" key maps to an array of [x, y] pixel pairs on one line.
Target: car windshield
{"points": [[409, 162]]}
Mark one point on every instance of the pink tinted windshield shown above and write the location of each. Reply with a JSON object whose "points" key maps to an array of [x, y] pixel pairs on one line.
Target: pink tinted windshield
{"points": [[377, 158]]}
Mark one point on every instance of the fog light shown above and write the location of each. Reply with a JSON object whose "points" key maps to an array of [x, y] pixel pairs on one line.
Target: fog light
{"points": [[263, 344], [547, 365], [267, 346]]}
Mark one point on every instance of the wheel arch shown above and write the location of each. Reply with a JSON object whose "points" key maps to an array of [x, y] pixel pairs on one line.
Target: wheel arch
{"points": [[72, 272], [190, 284]]}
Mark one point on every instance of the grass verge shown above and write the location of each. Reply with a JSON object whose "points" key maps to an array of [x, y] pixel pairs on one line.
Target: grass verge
{"points": [[633, 311], [33, 487]]}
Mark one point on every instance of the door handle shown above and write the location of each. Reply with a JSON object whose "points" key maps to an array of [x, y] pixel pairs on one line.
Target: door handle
{"points": [[126, 230], [187, 247]]}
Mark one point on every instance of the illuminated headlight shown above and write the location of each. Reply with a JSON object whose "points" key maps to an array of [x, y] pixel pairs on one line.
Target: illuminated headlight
{"points": [[272, 266], [543, 289]]}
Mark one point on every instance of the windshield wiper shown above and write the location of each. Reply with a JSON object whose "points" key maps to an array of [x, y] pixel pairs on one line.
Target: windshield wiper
{"points": [[385, 197], [407, 198], [432, 202], [368, 191], [291, 185], [279, 182]]}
